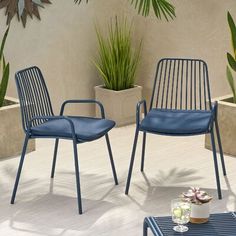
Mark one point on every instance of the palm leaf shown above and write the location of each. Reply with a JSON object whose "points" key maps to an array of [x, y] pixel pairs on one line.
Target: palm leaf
{"points": [[160, 7], [79, 1]]}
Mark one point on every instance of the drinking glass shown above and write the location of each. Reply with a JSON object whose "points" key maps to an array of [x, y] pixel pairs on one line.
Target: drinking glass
{"points": [[180, 214]]}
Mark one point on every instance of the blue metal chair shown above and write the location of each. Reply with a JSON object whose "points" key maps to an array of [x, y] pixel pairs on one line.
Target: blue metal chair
{"points": [[180, 106], [39, 121]]}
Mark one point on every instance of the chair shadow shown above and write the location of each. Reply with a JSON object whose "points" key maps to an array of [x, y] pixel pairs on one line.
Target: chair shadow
{"points": [[156, 194], [24, 215], [161, 190], [50, 206]]}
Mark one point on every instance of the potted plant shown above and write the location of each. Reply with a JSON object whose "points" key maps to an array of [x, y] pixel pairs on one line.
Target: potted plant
{"points": [[200, 205], [12, 135], [227, 104], [117, 63]]}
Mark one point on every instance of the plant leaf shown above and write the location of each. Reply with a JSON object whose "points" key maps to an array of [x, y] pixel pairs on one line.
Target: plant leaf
{"points": [[21, 6], [231, 61], [4, 83], [38, 2], [79, 1], [160, 8], [231, 83], [233, 32], [3, 42]]}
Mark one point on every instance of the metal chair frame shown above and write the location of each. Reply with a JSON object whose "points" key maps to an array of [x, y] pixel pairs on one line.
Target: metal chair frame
{"points": [[174, 82], [36, 108]]}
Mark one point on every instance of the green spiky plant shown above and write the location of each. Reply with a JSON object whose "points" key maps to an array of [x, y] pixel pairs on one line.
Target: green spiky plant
{"points": [[4, 70], [160, 7], [232, 58], [117, 60]]}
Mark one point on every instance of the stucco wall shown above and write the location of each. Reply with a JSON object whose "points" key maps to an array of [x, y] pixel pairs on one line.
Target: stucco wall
{"points": [[199, 31], [63, 43]]}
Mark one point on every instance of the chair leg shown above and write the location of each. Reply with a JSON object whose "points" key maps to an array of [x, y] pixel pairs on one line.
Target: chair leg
{"points": [[220, 147], [54, 158], [77, 177], [216, 164], [111, 159], [19, 169], [143, 151], [132, 161]]}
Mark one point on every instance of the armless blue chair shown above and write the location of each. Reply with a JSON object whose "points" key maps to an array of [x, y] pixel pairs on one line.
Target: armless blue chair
{"points": [[180, 106], [39, 121]]}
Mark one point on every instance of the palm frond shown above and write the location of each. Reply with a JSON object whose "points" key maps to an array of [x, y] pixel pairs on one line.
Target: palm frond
{"points": [[161, 8], [79, 1]]}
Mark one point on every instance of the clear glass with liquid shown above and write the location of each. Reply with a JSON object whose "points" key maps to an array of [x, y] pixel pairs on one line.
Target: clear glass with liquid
{"points": [[180, 214]]}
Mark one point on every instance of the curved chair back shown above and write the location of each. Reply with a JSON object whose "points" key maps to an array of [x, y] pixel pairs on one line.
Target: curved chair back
{"points": [[33, 96], [181, 84]]}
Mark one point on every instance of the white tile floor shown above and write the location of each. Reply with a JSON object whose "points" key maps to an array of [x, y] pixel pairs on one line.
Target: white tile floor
{"points": [[45, 207]]}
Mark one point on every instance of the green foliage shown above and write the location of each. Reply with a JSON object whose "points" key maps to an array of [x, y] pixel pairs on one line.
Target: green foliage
{"points": [[231, 83], [160, 7], [232, 59], [79, 1], [5, 70], [233, 31], [117, 61]]}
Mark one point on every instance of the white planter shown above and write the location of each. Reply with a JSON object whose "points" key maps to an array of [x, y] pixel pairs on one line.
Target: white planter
{"points": [[200, 213], [227, 125], [119, 106], [12, 135]]}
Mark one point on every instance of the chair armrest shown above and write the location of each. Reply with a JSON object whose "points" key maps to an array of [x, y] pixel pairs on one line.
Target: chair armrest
{"points": [[54, 118], [138, 108], [83, 101]]}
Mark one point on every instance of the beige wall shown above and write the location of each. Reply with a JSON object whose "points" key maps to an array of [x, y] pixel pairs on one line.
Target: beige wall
{"points": [[199, 31], [63, 43]]}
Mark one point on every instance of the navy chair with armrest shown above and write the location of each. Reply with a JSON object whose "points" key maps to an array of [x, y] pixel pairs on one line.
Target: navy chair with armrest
{"points": [[180, 106], [39, 121]]}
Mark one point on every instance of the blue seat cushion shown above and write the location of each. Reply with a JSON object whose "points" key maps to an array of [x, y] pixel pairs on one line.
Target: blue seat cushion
{"points": [[86, 128], [177, 122]]}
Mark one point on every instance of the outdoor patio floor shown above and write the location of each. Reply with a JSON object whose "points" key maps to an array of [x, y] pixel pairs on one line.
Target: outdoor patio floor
{"points": [[45, 207]]}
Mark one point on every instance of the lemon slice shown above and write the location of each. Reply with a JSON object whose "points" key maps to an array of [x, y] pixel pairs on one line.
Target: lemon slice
{"points": [[177, 212]]}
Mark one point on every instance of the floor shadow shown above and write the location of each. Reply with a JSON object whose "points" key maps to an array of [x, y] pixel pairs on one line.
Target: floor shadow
{"points": [[167, 185], [59, 211]]}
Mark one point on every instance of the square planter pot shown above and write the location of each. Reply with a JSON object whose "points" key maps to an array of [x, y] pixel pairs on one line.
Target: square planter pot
{"points": [[227, 125], [12, 135], [119, 106]]}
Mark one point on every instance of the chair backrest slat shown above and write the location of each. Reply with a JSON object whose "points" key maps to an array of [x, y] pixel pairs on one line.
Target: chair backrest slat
{"points": [[181, 84], [33, 95]]}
